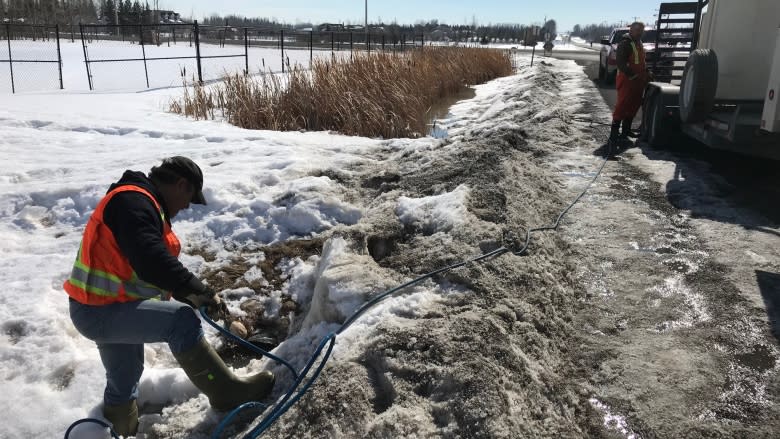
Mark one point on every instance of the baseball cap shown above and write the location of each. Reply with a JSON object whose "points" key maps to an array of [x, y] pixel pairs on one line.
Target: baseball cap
{"points": [[186, 168]]}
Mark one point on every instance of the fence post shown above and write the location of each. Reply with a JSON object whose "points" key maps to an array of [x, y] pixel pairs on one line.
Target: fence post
{"points": [[332, 45], [281, 45], [10, 58], [86, 58], [351, 44], [59, 52], [383, 42], [143, 52], [197, 52], [311, 48], [246, 51], [368, 42]]}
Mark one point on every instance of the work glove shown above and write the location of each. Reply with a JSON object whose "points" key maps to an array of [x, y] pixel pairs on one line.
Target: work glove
{"points": [[197, 295], [217, 309]]}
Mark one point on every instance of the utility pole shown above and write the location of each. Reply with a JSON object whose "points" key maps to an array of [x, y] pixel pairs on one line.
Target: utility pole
{"points": [[366, 25]]}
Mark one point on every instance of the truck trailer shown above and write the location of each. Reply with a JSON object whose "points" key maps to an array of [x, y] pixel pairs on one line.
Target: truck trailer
{"points": [[727, 97]]}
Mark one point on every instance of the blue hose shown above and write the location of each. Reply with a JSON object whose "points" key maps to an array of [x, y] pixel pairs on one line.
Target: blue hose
{"points": [[91, 421]]}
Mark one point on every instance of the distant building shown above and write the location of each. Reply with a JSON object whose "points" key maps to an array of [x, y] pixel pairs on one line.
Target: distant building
{"points": [[167, 17], [331, 27]]}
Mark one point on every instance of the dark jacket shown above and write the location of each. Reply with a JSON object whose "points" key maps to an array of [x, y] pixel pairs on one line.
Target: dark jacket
{"points": [[624, 53], [138, 230]]}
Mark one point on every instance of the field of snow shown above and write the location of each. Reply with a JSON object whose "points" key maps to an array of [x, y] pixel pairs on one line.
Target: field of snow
{"points": [[130, 75]]}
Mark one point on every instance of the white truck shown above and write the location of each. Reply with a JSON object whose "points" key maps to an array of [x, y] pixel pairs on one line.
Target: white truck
{"points": [[728, 93]]}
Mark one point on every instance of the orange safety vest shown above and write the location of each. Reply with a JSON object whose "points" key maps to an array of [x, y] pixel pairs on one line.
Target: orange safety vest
{"points": [[637, 62], [102, 275]]}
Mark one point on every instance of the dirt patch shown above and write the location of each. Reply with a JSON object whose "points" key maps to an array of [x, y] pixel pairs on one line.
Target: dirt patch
{"points": [[265, 331]]}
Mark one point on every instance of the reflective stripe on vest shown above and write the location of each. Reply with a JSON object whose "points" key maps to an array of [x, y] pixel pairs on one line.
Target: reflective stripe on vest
{"points": [[106, 284], [636, 52], [111, 279]]}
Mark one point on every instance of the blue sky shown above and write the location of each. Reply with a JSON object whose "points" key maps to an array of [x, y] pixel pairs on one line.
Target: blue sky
{"points": [[567, 13]]}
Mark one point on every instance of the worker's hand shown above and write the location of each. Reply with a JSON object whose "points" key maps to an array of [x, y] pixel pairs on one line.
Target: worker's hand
{"points": [[199, 300], [633, 77], [195, 294], [217, 309]]}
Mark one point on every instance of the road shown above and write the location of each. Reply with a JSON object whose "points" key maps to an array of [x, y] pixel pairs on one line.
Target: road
{"points": [[589, 60], [679, 250]]}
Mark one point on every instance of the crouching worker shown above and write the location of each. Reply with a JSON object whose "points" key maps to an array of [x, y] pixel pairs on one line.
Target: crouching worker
{"points": [[124, 275]]}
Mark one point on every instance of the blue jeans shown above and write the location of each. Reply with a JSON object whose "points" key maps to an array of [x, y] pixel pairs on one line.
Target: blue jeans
{"points": [[120, 331]]}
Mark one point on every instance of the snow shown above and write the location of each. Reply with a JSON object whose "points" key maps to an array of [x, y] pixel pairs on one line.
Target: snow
{"points": [[62, 149], [437, 213], [163, 73]]}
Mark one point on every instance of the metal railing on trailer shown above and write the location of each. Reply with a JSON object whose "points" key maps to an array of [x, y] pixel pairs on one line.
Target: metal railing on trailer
{"points": [[677, 32]]}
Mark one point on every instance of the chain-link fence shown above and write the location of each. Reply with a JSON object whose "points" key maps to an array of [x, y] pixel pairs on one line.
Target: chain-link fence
{"points": [[166, 54], [30, 57], [103, 57]]}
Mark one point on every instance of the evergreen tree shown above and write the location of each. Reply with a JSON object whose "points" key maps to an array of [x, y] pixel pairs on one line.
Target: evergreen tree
{"points": [[108, 11], [124, 11], [135, 13], [550, 27]]}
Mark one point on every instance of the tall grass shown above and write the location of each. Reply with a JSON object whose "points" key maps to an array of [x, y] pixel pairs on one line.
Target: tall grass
{"points": [[381, 95]]}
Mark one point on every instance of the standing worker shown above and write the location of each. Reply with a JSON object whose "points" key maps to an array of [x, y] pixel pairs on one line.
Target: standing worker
{"points": [[632, 78], [125, 273]]}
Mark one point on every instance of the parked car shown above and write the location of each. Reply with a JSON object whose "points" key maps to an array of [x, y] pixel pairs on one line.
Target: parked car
{"points": [[608, 55]]}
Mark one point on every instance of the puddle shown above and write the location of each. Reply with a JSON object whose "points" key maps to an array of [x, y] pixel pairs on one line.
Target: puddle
{"points": [[759, 359], [441, 110], [690, 305]]}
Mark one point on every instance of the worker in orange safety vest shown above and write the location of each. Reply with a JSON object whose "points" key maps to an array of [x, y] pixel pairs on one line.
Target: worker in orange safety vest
{"points": [[632, 78], [125, 272]]}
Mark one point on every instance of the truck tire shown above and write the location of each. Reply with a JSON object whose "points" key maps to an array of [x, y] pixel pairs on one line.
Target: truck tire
{"points": [[610, 77], [661, 128], [699, 85]]}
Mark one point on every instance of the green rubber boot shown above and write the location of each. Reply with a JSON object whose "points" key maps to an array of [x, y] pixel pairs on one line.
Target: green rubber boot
{"points": [[226, 391], [124, 418]]}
